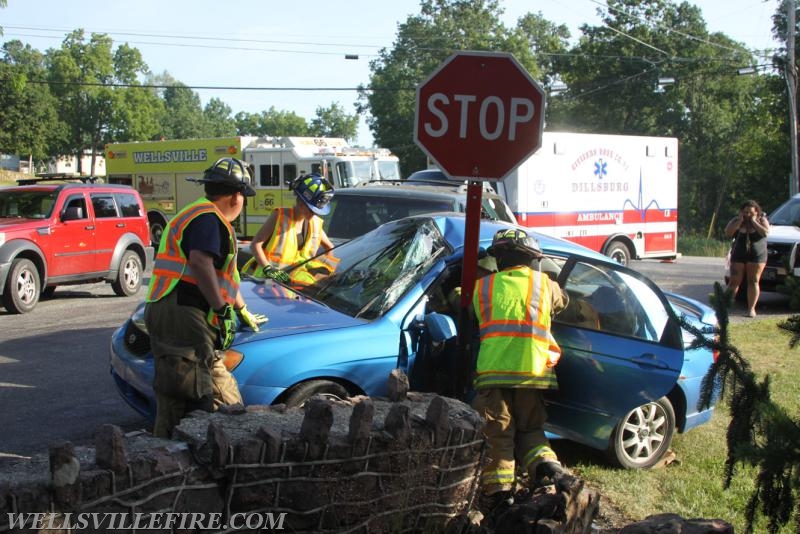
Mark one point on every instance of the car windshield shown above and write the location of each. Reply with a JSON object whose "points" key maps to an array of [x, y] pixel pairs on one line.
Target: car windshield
{"points": [[354, 215], [376, 270], [788, 214], [26, 204]]}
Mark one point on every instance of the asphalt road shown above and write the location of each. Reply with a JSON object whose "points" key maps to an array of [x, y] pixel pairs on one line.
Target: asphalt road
{"points": [[54, 375]]}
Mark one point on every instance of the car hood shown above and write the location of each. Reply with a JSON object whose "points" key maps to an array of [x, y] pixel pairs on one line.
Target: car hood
{"points": [[288, 312], [783, 234], [16, 223]]}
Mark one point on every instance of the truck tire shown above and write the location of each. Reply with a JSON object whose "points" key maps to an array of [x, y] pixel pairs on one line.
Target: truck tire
{"points": [[619, 252], [302, 392], [23, 287], [129, 275], [644, 435], [157, 226]]}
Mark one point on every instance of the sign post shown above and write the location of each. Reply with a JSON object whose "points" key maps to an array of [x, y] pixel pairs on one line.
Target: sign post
{"points": [[479, 115]]}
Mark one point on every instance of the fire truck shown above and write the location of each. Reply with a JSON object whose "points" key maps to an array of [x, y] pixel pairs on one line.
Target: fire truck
{"points": [[164, 171], [616, 194]]}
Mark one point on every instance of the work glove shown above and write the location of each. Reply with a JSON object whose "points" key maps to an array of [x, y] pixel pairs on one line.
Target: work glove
{"points": [[278, 275], [250, 319], [225, 325]]}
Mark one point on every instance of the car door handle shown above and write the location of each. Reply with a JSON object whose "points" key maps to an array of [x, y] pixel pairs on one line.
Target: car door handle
{"points": [[90, 227], [651, 360], [120, 225]]}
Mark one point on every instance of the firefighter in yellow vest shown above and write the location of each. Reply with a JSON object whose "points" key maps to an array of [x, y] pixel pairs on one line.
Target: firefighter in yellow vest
{"points": [[193, 301], [515, 364], [295, 235]]}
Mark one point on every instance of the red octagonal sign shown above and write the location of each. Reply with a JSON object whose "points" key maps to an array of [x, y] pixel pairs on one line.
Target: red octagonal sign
{"points": [[479, 115]]}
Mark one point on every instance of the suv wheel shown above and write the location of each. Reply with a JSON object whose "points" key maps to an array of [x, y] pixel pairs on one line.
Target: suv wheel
{"points": [[22, 287], [129, 276]]}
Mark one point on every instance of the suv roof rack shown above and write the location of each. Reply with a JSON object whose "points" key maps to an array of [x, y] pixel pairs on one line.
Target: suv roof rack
{"points": [[59, 177]]}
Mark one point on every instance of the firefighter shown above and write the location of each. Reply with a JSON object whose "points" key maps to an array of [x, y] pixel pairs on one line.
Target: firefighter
{"points": [[193, 301], [515, 364], [295, 235]]}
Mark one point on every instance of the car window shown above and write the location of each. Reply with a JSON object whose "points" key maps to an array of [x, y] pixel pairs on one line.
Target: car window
{"points": [[372, 274], [103, 204], [26, 204], [128, 205], [497, 210], [612, 301], [352, 216], [786, 214]]}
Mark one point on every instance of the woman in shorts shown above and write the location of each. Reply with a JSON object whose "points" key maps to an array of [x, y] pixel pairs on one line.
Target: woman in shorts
{"points": [[749, 251]]}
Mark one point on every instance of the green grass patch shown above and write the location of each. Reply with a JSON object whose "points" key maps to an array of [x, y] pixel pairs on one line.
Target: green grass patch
{"points": [[696, 245], [692, 486]]}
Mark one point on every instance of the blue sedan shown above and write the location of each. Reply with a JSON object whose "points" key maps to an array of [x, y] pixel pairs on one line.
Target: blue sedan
{"points": [[628, 378]]}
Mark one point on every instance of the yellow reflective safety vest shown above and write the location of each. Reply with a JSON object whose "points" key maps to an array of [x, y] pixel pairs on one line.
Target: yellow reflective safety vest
{"points": [[513, 309], [283, 250], [172, 265]]}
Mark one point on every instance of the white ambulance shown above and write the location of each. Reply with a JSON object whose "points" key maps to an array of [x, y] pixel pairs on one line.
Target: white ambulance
{"points": [[616, 194]]}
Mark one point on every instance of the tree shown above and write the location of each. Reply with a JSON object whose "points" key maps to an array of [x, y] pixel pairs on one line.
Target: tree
{"points": [[271, 123], [424, 41], [27, 108], [334, 122], [219, 122], [183, 114], [85, 77]]}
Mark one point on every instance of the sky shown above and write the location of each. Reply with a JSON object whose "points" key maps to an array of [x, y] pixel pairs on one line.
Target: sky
{"points": [[296, 44]]}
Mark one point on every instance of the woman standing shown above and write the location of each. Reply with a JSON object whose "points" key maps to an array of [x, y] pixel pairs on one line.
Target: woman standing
{"points": [[749, 251]]}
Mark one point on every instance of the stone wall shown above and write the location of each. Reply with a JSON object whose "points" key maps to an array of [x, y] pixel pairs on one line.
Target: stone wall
{"points": [[365, 465]]}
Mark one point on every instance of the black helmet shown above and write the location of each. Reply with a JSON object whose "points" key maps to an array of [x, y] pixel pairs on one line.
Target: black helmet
{"points": [[514, 240], [230, 172], [315, 191]]}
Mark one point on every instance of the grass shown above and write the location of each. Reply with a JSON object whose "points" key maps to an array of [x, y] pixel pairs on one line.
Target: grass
{"points": [[690, 244], [692, 486]]}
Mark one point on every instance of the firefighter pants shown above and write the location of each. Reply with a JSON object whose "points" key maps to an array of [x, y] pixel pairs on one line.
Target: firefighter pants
{"points": [[515, 420], [189, 374]]}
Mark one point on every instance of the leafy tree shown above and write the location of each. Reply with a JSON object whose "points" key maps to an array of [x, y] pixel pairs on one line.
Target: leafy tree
{"points": [[27, 109], [138, 110], [334, 122], [84, 75], [183, 114], [219, 122], [271, 123]]}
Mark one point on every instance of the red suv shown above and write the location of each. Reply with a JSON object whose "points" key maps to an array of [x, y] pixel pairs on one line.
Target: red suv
{"points": [[74, 233]]}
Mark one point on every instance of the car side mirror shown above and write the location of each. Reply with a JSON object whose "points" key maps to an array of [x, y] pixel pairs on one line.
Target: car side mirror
{"points": [[72, 213], [441, 327]]}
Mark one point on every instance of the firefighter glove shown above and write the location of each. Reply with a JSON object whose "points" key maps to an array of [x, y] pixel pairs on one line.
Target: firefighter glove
{"points": [[251, 320], [275, 274], [225, 323]]}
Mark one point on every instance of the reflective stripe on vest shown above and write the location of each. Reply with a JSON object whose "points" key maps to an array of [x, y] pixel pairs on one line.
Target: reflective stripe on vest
{"points": [[282, 249], [515, 351], [172, 265]]}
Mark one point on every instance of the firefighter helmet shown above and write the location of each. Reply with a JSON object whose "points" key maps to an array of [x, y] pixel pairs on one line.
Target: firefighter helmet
{"points": [[315, 191], [230, 172], [514, 240]]}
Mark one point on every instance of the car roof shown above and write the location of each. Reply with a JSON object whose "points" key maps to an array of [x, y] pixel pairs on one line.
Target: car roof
{"points": [[400, 188], [452, 226], [68, 186]]}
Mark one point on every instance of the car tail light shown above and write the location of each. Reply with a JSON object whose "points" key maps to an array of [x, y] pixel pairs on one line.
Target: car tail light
{"points": [[232, 359]]}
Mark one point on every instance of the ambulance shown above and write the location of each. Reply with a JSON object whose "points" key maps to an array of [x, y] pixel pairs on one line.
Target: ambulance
{"points": [[164, 171], [616, 194]]}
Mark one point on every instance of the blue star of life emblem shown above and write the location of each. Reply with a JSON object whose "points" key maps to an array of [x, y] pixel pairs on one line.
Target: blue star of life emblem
{"points": [[600, 168]]}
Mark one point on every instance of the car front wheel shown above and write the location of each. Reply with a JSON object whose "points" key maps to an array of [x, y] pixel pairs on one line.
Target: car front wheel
{"points": [[301, 393], [644, 435], [23, 288], [129, 275]]}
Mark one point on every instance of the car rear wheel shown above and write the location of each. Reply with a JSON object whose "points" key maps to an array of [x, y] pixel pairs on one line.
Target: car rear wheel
{"points": [[618, 252], [301, 393], [129, 276], [644, 435], [23, 288]]}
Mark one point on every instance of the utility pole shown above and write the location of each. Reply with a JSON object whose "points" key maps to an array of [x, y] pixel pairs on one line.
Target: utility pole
{"points": [[791, 82]]}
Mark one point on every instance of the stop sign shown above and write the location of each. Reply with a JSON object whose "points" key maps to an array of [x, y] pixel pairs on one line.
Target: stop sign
{"points": [[479, 115]]}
